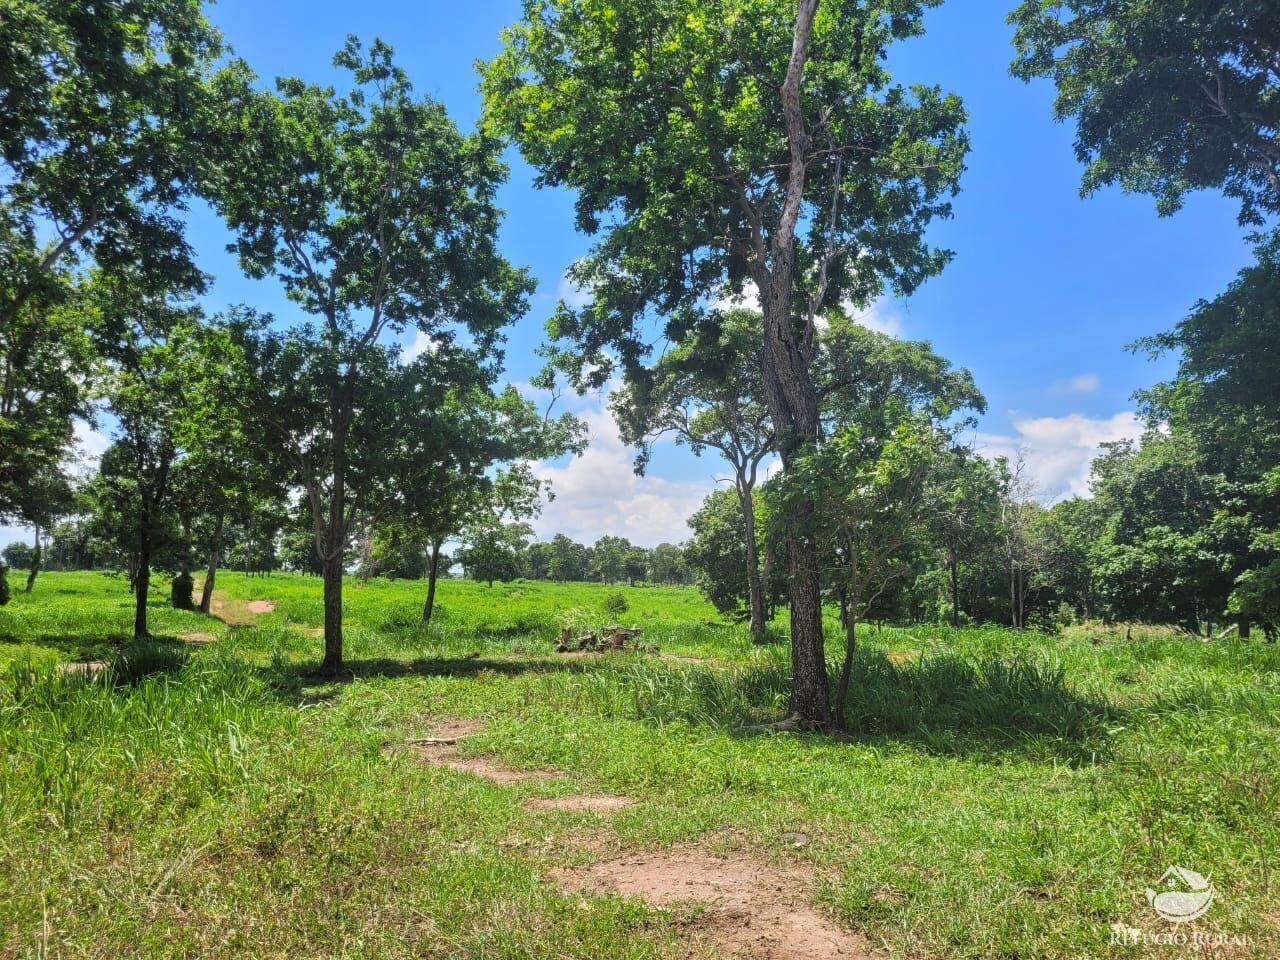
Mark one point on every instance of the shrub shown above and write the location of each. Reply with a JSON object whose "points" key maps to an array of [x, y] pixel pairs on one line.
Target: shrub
{"points": [[4, 585], [615, 604], [180, 592]]}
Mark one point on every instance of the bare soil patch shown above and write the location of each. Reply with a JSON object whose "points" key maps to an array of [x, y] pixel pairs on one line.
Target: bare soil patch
{"points": [[239, 613], [752, 910], [440, 750], [586, 803]]}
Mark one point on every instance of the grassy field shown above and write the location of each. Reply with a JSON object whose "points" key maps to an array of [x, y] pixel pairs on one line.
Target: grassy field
{"points": [[1003, 795]]}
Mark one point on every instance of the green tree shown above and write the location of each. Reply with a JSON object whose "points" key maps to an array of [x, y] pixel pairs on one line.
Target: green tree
{"points": [[667, 565], [875, 490], [707, 394], [966, 522], [1168, 97], [231, 482], [144, 333], [609, 559], [710, 146], [715, 554], [464, 455], [493, 550], [17, 556], [99, 145], [569, 561], [46, 361], [1172, 546], [378, 216]]}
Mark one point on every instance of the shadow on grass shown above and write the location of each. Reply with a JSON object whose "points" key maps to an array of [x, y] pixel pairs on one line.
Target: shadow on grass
{"points": [[292, 678], [974, 707]]}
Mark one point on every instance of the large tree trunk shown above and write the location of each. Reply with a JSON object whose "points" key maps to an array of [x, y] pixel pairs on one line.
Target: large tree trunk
{"points": [[335, 537], [142, 579], [333, 612], [215, 557], [786, 360], [755, 592], [35, 562], [1244, 627], [793, 401], [433, 573]]}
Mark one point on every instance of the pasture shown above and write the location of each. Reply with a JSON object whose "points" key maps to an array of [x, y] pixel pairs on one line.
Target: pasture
{"points": [[1002, 793]]}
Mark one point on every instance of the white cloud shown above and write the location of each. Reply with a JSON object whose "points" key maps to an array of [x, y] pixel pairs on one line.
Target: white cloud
{"points": [[573, 295], [750, 298], [421, 343], [90, 445], [1084, 383], [882, 317], [599, 492], [1060, 450]]}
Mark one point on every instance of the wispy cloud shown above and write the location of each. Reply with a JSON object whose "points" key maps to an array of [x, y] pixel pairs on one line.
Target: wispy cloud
{"points": [[882, 317], [1060, 450], [1083, 383], [573, 295], [599, 493]]}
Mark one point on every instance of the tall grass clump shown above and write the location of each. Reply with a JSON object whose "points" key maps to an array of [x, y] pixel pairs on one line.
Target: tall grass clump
{"points": [[149, 733]]}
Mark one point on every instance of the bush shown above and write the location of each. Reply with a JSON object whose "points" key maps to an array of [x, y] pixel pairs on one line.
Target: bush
{"points": [[615, 604], [4, 585], [180, 592]]}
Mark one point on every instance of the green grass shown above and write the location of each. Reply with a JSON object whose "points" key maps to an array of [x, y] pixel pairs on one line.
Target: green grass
{"points": [[1003, 794]]}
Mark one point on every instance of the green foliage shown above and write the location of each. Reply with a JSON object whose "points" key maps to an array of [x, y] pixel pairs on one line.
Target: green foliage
{"points": [[100, 141], [494, 551], [667, 565], [717, 555], [1168, 97], [17, 554], [615, 604], [377, 215], [567, 561], [665, 120]]}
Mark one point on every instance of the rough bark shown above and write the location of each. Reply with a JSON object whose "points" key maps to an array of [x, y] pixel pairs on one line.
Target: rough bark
{"points": [[334, 552], [332, 613], [142, 579], [787, 356], [215, 557], [433, 574], [1245, 626]]}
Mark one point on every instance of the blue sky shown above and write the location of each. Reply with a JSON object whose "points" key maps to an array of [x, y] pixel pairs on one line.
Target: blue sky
{"points": [[1045, 291]]}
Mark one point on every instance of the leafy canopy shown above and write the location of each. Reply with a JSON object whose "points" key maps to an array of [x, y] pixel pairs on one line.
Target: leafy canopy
{"points": [[1168, 96], [665, 119]]}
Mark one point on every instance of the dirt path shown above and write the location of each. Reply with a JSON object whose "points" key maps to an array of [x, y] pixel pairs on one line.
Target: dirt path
{"points": [[752, 909], [440, 750], [582, 803]]}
